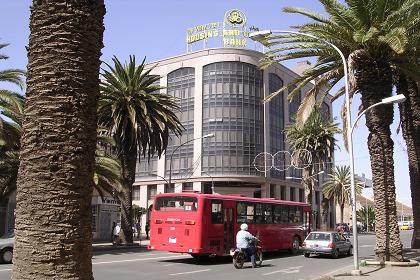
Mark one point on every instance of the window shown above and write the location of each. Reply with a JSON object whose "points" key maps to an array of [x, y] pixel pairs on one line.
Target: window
{"points": [[282, 192], [187, 186], [245, 213], [136, 193], [176, 203], [295, 214], [301, 195], [263, 213], [216, 212], [292, 194], [232, 94], [169, 188], [151, 192], [273, 191]]}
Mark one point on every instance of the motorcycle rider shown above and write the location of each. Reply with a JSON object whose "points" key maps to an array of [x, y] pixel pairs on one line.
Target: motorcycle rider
{"points": [[245, 240]]}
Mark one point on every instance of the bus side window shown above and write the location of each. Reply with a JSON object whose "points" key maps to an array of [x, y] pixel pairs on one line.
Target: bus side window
{"points": [[277, 214], [216, 212]]}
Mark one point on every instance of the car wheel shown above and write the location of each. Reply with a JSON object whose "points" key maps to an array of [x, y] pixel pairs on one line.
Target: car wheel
{"points": [[6, 255], [350, 252], [335, 254], [295, 246], [307, 255]]}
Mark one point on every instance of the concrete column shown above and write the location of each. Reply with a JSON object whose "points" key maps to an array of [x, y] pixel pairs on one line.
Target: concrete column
{"points": [[287, 193], [198, 122]]}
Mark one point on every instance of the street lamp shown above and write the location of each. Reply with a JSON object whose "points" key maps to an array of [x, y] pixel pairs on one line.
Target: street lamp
{"points": [[170, 161], [212, 181], [258, 35]]}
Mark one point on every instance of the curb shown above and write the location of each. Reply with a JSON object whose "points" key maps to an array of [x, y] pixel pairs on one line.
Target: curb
{"points": [[409, 263], [118, 247]]}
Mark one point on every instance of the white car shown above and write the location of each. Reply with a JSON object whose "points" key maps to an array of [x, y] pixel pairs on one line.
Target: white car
{"points": [[6, 247], [327, 243]]}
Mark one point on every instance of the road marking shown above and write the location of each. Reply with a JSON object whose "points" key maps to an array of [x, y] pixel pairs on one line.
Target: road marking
{"points": [[410, 253], [289, 270], [189, 272], [365, 246], [137, 260], [7, 269], [169, 264]]}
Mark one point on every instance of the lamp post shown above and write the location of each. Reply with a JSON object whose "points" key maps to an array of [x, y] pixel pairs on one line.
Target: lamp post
{"points": [[258, 35], [173, 152]]}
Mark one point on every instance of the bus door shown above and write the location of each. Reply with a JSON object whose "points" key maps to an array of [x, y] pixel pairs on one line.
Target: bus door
{"points": [[228, 234]]}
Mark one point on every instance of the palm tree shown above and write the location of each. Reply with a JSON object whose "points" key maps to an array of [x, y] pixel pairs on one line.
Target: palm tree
{"points": [[366, 215], [316, 136], [337, 187], [375, 37], [410, 124], [139, 119], [57, 154]]}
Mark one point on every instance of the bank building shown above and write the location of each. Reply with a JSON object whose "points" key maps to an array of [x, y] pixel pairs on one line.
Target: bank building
{"points": [[228, 129]]}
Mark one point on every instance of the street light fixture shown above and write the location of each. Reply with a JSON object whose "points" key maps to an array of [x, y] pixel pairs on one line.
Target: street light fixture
{"points": [[258, 35], [172, 154]]}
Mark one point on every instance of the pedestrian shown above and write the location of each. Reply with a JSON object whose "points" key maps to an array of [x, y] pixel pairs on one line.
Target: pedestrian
{"points": [[147, 228], [112, 231], [116, 234]]}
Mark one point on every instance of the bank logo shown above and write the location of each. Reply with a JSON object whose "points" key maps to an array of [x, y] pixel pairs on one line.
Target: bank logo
{"points": [[235, 18]]}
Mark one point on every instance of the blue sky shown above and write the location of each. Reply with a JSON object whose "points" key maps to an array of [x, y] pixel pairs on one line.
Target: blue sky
{"points": [[157, 29]]}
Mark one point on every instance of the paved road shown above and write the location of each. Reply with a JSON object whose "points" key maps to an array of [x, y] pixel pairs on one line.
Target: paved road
{"points": [[157, 265]]}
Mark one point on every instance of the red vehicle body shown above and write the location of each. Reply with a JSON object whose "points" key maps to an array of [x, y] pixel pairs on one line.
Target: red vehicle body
{"points": [[206, 224]]}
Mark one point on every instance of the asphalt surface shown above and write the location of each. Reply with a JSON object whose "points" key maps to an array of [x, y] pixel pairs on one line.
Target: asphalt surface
{"points": [[151, 265]]}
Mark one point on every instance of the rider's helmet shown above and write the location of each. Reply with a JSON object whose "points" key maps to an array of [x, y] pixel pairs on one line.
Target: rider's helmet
{"points": [[244, 227]]}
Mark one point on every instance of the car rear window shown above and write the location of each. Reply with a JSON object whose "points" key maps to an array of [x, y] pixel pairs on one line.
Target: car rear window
{"points": [[319, 236]]}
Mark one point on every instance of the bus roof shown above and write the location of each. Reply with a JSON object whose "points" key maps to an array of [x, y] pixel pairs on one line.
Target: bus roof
{"points": [[234, 197]]}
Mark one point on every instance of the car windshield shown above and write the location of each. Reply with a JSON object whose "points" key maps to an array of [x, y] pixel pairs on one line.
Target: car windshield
{"points": [[319, 236], [10, 234]]}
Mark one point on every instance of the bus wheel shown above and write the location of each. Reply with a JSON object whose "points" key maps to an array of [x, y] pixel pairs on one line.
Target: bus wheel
{"points": [[295, 245]]}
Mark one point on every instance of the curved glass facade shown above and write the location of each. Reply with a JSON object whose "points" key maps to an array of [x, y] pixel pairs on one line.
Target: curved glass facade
{"points": [[181, 84], [276, 122], [233, 111]]}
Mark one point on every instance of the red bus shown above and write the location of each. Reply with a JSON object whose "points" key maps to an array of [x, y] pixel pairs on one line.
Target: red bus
{"points": [[206, 224]]}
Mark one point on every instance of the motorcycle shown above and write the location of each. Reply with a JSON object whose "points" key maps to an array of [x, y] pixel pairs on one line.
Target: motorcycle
{"points": [[240, 256]]}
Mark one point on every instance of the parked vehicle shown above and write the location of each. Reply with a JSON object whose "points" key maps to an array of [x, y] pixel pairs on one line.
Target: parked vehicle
{"points": [[206, 224], [327, 243], [6, 247], [240, 256]]}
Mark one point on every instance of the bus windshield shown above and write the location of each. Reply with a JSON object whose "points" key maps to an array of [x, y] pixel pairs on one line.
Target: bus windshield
{"points": [[176, 203]]}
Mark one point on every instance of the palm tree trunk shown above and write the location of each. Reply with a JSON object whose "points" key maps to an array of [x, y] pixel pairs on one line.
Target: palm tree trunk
{"points": [[374, 80], [128, 159], [342, 213], [307, 185], [410, 123], [324, 213], [53, 214]]}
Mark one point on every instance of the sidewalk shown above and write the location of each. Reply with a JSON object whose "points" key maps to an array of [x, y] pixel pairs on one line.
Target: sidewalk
{"points": [[104, 246], [376, 272]]}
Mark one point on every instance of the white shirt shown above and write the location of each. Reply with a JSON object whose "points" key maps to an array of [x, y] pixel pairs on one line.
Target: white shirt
{"points": [[117, 230], [243, 238]]}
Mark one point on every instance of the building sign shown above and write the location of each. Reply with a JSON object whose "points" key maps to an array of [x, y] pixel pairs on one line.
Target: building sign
{"points": [[232, 32]]}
